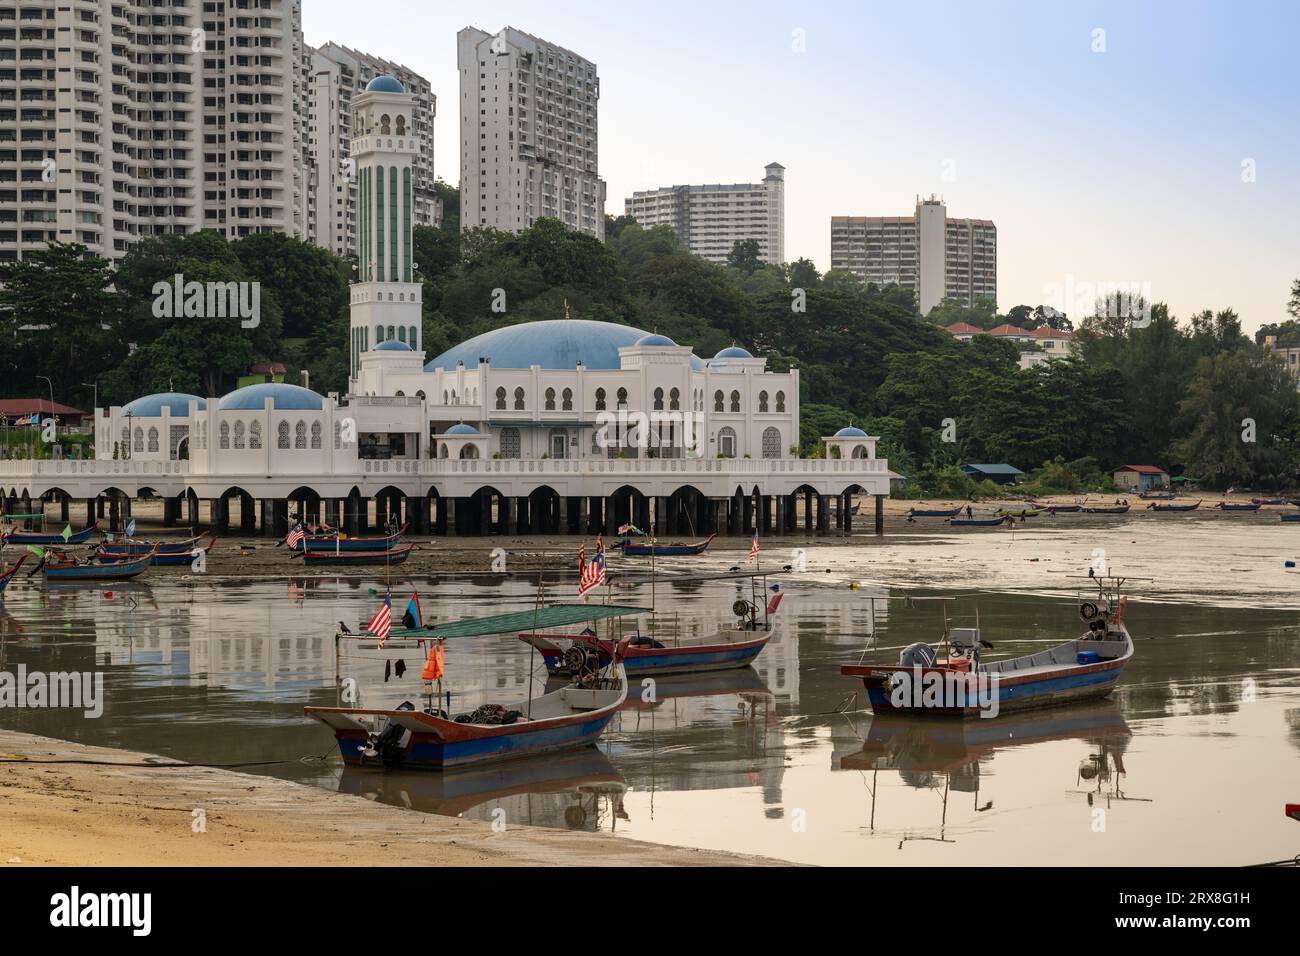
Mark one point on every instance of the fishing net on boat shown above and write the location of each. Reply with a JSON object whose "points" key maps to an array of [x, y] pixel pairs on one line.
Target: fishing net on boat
{"points": [[491, 714]]}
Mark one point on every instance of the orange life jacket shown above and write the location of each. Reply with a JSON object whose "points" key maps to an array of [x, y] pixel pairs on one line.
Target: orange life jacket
{"points": [[433, 666]]}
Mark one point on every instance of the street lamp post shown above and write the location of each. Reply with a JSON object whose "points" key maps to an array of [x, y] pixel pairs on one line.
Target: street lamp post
{"points": [[52, 418]]}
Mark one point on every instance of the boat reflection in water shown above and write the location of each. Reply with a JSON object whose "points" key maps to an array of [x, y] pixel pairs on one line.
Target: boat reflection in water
{"points": [[577, 790], [948, 755]]}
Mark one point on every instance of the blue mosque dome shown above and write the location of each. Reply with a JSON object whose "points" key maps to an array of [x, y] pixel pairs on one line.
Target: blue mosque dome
{"points": [[551, 344], [392, 345], [385, 84], [733, 351], [850, 431], [151, 406], [285, 398], [655, 339], [461, 429]]}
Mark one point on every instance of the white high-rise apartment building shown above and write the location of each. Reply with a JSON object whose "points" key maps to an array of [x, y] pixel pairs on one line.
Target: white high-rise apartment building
{"points": [[527, 133], [337, 74], [121, 120], [935, 256], [711, 219]]}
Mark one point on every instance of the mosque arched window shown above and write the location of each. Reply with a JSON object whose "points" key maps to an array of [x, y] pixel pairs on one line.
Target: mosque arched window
{"points": [[510, 443], [300, 436], [338, 435], [399, 394], [390, 333], [401, 333], [282, 436], [255, 436], [239, 434], [717, 401], [762, 401], [674, 400], [224, 439], [567, 400], [659, 400], [153, 439], [379, 334], [727, 442], [780, 401], [600, 399], [385, 125], [519, 399], [420, 395], [501, 399], [735, 401], [401, 125], [139, 439], [771, 443], [411, 338], [550, 399]]}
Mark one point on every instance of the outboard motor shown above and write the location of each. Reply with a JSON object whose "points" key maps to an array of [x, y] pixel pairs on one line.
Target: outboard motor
{"points": [[917, 655], [388, 745]]}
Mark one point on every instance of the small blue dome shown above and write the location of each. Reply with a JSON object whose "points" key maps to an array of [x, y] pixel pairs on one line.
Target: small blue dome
{"points": [[850, 431], [385, 84], [733, 351], [284, 397], [151, 406], [392, 345], [461, 429], [550, 343], [655, 339]]}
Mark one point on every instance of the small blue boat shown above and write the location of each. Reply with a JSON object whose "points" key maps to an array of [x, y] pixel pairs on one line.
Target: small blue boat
{"points": [[406, 737], [31, 537], [933, 513], [1237, 506], [663, 550], [170, 558], [57, 566], [1290, 516], [980, 522], [333, 542]]}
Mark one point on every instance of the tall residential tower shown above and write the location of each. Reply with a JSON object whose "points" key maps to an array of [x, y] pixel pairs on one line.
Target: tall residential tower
{"points": [[528, 146], [711, 219], [935, 256]]}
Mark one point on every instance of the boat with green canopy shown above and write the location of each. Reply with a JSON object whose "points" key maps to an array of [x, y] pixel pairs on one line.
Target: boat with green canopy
{"points": [[571, 717]]}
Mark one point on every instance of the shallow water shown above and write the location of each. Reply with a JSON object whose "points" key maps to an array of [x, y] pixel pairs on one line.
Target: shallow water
{"points": [[1190, 761]]}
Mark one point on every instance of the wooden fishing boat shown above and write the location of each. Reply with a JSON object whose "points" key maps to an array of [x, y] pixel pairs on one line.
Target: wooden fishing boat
{"points": [[57, 566], [1107, 510], [571, 717], [1269, 501], [1062, 509], [1154, 506], [962, 685], [8, 575], [979, 522], [31, 537], [1237, 506], [332, 558], [1295, 516], [1157, 496], [330, 542], [933, 512], [1022, 513], [572, 655], [160, 559], [632, 550], [128, 548]]}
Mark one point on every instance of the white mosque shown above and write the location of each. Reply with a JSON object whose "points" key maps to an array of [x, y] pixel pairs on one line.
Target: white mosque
{"points": [[556, 426]]}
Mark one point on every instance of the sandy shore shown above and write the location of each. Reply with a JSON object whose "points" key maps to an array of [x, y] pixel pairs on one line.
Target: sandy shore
{"points": [[109, 810]]}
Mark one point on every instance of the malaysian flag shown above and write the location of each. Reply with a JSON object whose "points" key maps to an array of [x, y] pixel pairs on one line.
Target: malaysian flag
{"points": [[294, 538], [382, 622], [753, 548], [593, 575]]}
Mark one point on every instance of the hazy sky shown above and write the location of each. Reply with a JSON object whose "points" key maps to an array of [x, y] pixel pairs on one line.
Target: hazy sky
{"points": [[1103, 158]]}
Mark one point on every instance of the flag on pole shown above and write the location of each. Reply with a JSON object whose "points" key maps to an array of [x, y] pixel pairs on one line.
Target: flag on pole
{"points": [[582, 558], [130, 528], [413, 618], [294, 537], [593, 575], [382, 622], [629, 529], [67, 533], [39, 552], [753, 548]]}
